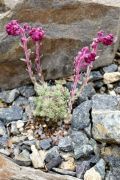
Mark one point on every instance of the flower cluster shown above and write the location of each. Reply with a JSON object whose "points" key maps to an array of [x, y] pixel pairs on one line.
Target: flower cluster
{"points": [[13, 28], [37, 34], [105, 39], [87, 56], [26, 32]]}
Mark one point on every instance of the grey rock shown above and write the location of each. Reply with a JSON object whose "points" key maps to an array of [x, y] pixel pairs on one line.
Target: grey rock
{"points": [[81, 145], [83, 151], [45, 144], [26, 145], [11, 114], [98, 84], [27, 91], [103, 102], [106, 126], [95, 75], [52, 153], [81, 116], [55, 162], [79, 138], [110, 68], [23, 159], [87, 92], [21, 101], [106, 118], [100, 167], [81, 169], [65, 144], [9, 96], [69, 34], [2, 129]]}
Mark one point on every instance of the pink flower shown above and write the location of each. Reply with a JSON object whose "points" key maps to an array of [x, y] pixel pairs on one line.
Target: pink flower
{"points": [[85, 56], [105, 39], [13, 28], [36, 34]]}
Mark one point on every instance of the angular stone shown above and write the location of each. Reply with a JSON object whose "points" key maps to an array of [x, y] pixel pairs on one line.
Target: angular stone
{"points": [[110, 68], [9, 170], [95, 75], [111, 77], [106, 125], [45, 144], [23, 159], [83, 151], [55, 162], [52, 153], [9, 96], [87, 92], [69, 26], [27, 91], [21, 101], [78, 138], [11, 114], [65, 144], [106, 118], [81, 116], [105, 102]]}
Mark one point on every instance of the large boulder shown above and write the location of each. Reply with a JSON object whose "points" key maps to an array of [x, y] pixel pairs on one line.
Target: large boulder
{"points": [[69, 25]]}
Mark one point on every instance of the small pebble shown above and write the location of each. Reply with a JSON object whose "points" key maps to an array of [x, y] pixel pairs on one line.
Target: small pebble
{"points": [[20, 124]]}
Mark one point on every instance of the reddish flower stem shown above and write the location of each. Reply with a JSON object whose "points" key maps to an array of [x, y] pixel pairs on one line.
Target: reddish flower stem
{"points": [[27, 57], [38, 61]]}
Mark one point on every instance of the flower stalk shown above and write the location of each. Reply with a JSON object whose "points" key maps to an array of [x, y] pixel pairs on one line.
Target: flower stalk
{"points": [[27, 33], [84, 60]]}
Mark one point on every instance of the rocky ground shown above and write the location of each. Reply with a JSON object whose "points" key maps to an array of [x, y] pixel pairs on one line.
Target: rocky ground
{"points": [[87, 148]]}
